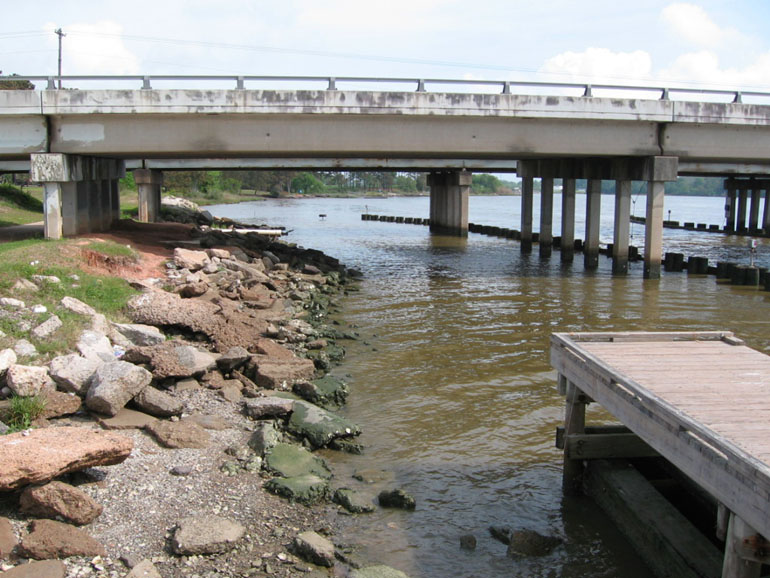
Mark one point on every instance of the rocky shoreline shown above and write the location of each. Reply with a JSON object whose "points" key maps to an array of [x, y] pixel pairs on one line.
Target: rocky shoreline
{"points": [[181, 444]]}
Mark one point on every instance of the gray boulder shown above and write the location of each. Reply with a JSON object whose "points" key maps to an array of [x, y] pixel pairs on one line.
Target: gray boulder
{"points": [[308, 489], [396, 499], [192, 260], [527, 543], [353, 501], [377, 572], [47, 328], [7, 359], [264, 438], [24, 348], [77, 306], [268, 407], [173, 359], [289, 461], [136, 334], [73, 372], [319, 426], [235, 358], [206, 535], [95, 345], [28, 380], [314, 548], [114, 384], [158, 403]]}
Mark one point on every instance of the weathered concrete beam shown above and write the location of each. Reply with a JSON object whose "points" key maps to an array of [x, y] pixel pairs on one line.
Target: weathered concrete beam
{"points": [[148, 184], [644, 168], [61, 168]]}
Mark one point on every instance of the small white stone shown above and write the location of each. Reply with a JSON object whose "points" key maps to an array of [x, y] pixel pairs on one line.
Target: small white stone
{"points": [[39, 308]]}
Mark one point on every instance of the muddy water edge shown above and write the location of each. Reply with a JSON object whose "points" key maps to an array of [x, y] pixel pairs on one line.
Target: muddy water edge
{"points": [[451, 381]]}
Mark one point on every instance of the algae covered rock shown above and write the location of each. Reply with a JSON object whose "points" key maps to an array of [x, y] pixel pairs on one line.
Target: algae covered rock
{"points": [[307, 489], [326, 391], [319, 426], [353, 501], [377, 572], [290, 461]]}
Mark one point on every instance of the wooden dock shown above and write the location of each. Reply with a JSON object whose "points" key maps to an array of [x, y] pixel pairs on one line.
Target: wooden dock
{"points": [[700, 400]]}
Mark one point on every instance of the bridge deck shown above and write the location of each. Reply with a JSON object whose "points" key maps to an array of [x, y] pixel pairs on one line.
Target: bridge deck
{"points": [[702, 400]]}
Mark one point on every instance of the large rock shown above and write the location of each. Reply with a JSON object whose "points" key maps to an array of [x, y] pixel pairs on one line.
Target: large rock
{"points": [[268, 407], [308, 489], [326, 391], [126, 419], [7, 359], [24, 348], [353, 501], [59, 403], [56, 499], [114, 384], [95, 345], [77, 306], [314, 548], [40, 569], [234, 358], [282, 373], [50, 539], [173, 359], [224, 323], [28, 380], [136, 334], [319, 426], [7, 538], [264, 438], [192, 260], [396, 499], [290, 461], [73, 372], [40, 455], [526, 543], [179, 434], [47, 328], [206, 535], [158, 403]]}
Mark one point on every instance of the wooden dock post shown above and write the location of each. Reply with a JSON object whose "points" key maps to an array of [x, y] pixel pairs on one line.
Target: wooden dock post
{"points": [[741, 559], [574, 423]]}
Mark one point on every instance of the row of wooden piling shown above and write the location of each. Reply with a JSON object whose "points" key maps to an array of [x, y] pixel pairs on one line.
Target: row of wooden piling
{"points": [[737, 274]]}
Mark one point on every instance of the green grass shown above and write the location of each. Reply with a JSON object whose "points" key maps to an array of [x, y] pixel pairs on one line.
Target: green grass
{"points": [[62, 259], [18, 207], [23, 411]]}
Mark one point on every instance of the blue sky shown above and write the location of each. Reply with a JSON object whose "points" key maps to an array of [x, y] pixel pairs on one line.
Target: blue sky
{"points": [[707, 43]]}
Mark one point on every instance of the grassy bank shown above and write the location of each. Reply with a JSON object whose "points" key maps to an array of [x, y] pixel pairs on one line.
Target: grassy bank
{"points": [[19, 207], [73, 263]]}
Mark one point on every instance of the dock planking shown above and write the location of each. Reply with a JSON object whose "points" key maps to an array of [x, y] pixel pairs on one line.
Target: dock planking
{"points": [[701, 400]]}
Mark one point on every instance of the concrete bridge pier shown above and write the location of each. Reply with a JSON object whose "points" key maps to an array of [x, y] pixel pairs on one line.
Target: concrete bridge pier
{"points": [[731, 201], [148, 184], [593, 219], [527, 200], [567, 220], [756, 195], [546, 217], [622, 227], [80, 193], [449, 193], [743, 195]]}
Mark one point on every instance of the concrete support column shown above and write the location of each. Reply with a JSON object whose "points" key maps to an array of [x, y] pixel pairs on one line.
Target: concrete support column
{"points": [[546, 216], [756, 194], [730, 205], [743, 195], [74, 191], [622, 227], [527, 200], [148, 184], [115, 200], [766, 212], [567, 220], [52, 210], [593, 217], [653, 229]]}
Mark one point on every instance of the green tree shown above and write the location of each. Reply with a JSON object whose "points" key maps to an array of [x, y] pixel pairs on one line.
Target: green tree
{"points": [[307, 184], [6, 84]]}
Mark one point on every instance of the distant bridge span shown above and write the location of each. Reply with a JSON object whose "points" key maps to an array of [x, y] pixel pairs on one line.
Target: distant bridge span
{"points": [[616, 133]]}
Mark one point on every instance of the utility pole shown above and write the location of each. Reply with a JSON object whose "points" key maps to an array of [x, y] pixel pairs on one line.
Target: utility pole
{"points": [[61, 35]]}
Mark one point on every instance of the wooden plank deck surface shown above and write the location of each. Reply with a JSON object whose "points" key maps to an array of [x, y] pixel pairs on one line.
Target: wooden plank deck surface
{"points": [[702, 400]]}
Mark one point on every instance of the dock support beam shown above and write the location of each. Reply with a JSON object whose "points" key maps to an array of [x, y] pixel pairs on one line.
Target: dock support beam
{"points": [[568, 220], [742, 202], [593, 220], [546, 217], [574, 423], [739, 561], [622, 227], [79, 193], [148, 184], [449, 193], [527, 199]]}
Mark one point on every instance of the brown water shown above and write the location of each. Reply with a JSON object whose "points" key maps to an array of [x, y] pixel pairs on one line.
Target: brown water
{"points": [[452, 384]]}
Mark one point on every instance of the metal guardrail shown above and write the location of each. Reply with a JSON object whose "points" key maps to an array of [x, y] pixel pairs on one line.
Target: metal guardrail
{"points": [[421, 84]]}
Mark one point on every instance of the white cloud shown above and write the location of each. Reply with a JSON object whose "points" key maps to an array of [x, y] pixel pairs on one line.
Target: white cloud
{"points": [[95, 48], [692, 24], [704, 69], [599, 65]]}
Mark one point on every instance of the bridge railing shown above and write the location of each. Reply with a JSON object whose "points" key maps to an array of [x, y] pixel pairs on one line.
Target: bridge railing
{"points": [[238, 82]]}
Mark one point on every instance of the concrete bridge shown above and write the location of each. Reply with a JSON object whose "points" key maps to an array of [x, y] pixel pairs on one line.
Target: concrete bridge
{"points": [[79, 142]]}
